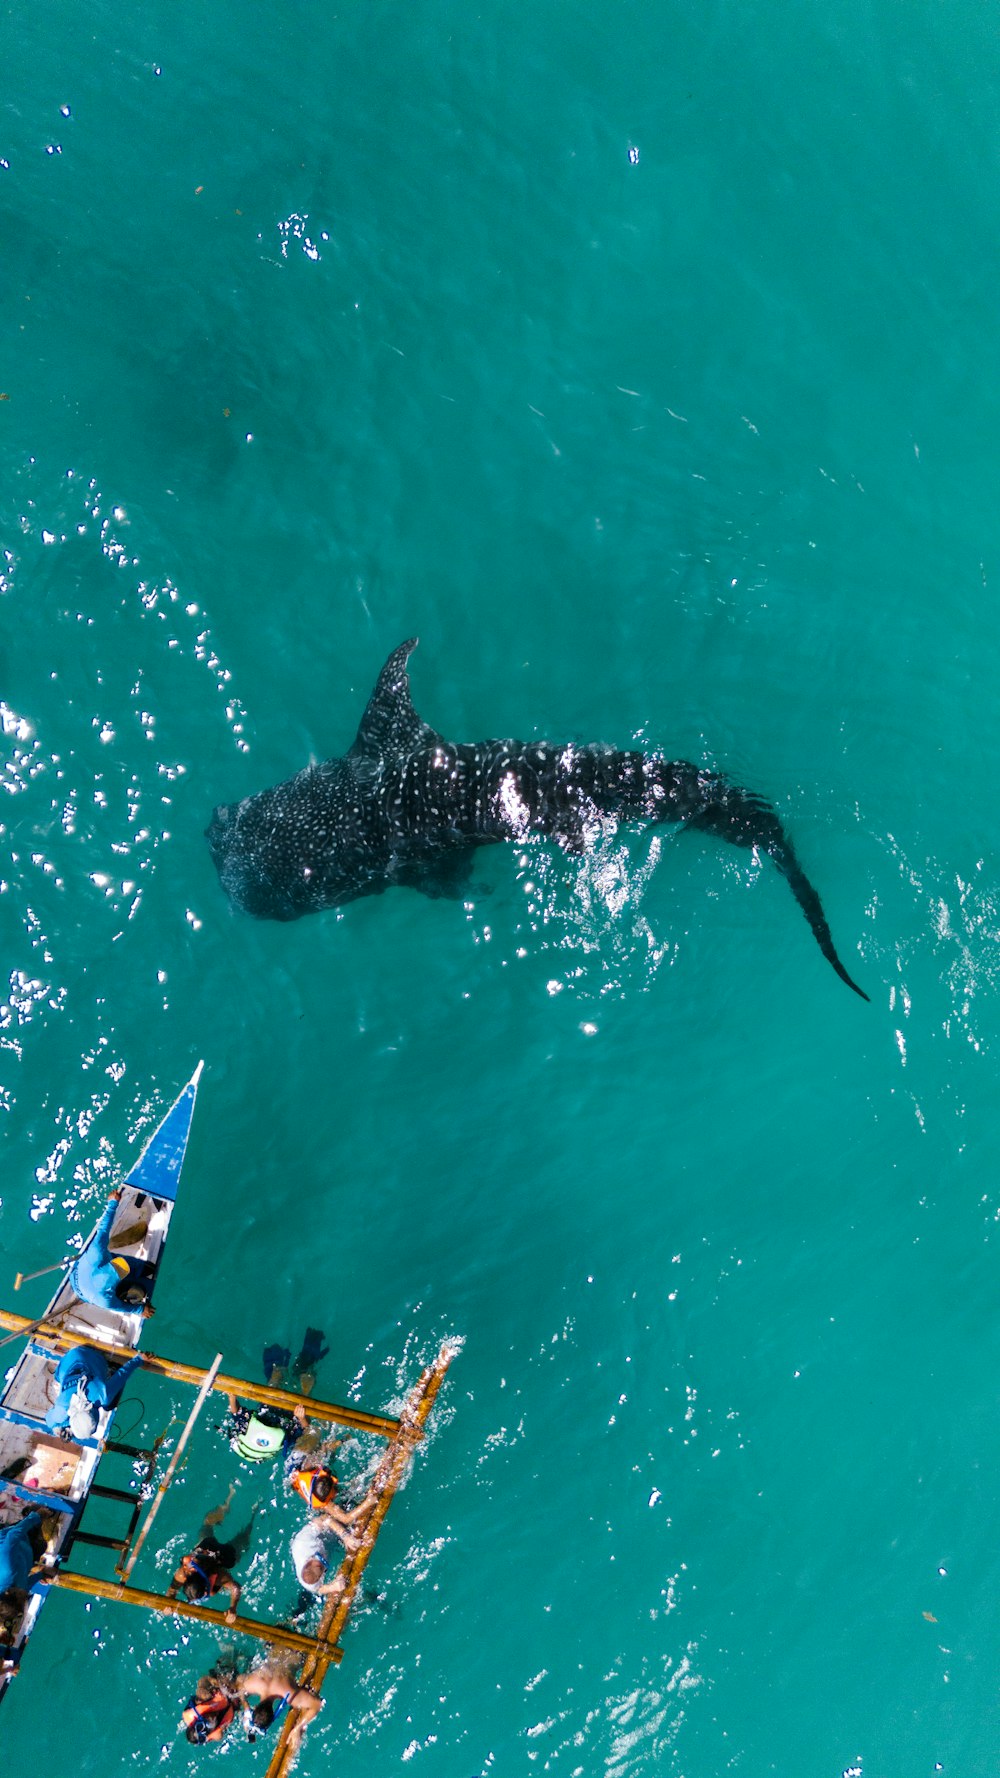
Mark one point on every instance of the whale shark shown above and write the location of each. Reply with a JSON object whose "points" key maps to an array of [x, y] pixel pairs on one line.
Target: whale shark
{"points": [[406, 807]]}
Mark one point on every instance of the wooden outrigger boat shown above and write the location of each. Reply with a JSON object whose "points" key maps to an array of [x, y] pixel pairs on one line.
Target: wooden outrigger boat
{"points": [[56, 1475], [148, 1195]]}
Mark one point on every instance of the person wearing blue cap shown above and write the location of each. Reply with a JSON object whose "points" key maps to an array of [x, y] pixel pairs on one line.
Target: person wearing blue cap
{"points": [[86, 1383], [20, 1546], [112, 1280]]}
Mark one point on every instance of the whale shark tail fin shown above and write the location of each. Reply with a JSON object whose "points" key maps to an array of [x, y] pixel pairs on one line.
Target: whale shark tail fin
{"points": [[746, 819], [812, 907]]}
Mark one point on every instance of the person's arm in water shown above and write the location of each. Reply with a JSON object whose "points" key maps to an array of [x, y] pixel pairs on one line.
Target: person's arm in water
{"points": [[305, 1701], [306, 1438], [332, 1445], [340, 1524], [234, 1590], [235, 1419], [336, 1585], [362, 1510], [179, 1577], [343, 1519]]}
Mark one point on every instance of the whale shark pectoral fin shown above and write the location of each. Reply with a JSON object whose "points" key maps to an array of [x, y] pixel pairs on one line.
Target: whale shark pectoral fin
{"points": [[390, 727]]}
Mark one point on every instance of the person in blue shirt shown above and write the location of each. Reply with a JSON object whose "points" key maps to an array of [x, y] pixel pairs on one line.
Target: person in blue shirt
{"points": [[112, 1280], [86, 1383], [20, 1545]]}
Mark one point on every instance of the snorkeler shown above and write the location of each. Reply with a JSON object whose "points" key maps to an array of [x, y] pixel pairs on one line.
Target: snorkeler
{"points": [[207, 1715], [263, 1433], [277, 1691], [205, 1571]]}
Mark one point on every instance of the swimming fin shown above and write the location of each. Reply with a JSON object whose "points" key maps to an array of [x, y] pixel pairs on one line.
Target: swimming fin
{"points": [[312, 1351], [275, 1359]]}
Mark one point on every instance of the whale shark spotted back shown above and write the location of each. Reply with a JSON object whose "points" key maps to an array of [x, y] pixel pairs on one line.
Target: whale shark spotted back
{"points": [[405, 807]]}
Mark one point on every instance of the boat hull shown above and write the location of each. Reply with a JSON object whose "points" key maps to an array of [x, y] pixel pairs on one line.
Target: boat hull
{"points": [[60, 1472]]}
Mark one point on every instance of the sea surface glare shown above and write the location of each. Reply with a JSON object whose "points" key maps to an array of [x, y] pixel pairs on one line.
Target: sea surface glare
{"points": [[643, 360]]}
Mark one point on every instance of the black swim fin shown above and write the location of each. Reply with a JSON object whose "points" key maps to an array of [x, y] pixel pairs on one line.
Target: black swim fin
{"points": [[312, 1351], [275, 1359]]}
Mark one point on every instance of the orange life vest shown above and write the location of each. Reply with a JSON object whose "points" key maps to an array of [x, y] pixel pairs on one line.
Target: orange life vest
{"points": [[304, 1480], [201, 1711]]}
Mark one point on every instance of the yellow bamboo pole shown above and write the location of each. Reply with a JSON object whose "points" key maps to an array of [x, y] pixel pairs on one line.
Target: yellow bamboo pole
{"points": [[27, 1327], [388, 1476], [126, 1562], [60, 1341], [159, 1602]]}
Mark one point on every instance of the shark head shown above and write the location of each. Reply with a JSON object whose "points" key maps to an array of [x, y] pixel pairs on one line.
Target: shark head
{"points": [[283, 853], [316, 840], [247, 885]]}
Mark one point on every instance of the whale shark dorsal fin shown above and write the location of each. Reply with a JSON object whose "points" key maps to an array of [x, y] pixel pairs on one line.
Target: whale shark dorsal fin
{"points": [[390, 727]]}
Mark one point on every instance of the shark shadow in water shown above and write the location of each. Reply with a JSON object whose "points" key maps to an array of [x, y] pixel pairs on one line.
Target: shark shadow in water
{"points": [[406, 807]]}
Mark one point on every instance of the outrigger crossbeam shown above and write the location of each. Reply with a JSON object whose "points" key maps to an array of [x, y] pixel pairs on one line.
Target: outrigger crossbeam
{"points": [[161, 1602], [48, 1334]]}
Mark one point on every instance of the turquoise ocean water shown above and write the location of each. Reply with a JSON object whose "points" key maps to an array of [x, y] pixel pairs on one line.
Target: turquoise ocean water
{"points": [[642, 360]]}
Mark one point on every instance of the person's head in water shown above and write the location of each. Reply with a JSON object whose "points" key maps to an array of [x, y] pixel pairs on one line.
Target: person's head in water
{"points": [[262, 1715], [323, 1486], [205, 1725], [195, 1588], [312, 1572], [208, 1714]]}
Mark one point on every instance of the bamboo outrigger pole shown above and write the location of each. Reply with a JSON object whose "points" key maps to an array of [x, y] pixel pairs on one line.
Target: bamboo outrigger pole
{"points": [[160, 1602], [326, 1648], [126, 1562], [47, 1333], [26, 1328]]}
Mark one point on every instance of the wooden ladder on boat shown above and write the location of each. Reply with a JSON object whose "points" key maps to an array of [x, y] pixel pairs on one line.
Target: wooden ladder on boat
{"points": [[135, 1501]]}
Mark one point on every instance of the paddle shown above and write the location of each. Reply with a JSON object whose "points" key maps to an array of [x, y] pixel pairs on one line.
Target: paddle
{"points": [[61, 1265]]}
